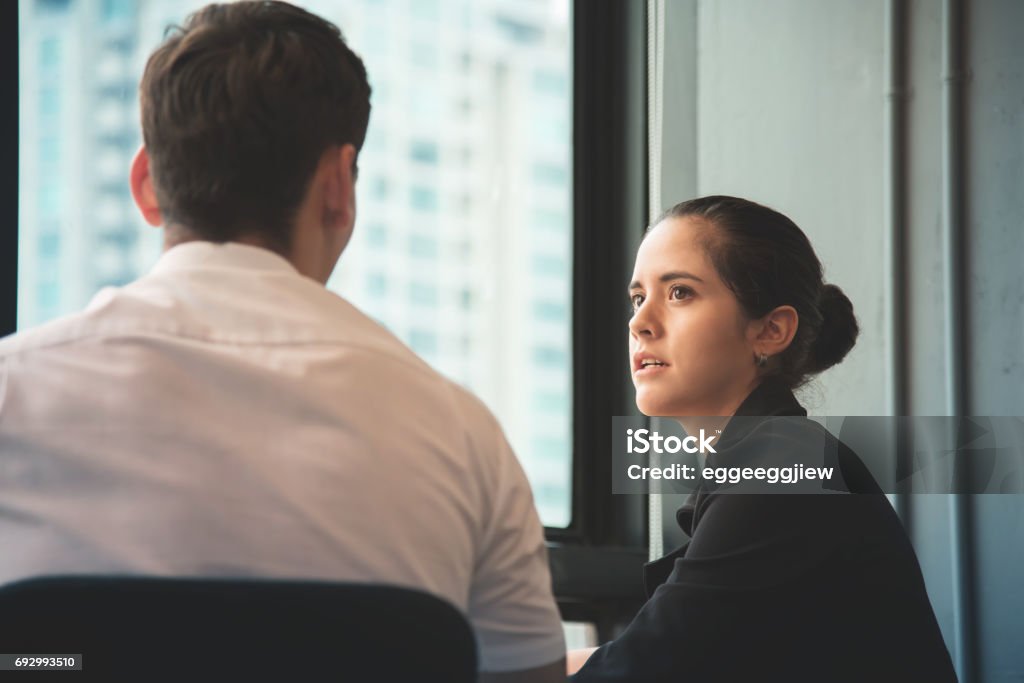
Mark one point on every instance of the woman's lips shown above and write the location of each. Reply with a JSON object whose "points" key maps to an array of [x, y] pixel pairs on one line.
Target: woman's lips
{"points": [[647, 364], [649, 370]]}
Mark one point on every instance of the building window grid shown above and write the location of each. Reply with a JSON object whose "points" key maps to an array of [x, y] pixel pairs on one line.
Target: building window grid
{"points": [[452, 197]]}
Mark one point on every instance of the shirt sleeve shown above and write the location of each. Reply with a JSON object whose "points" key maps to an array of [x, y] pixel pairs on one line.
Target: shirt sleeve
{"points": [[511, 604]]}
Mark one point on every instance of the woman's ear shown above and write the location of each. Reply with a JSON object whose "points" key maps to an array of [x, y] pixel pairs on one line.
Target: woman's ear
{"points": [[774, 332], [142, 189]]}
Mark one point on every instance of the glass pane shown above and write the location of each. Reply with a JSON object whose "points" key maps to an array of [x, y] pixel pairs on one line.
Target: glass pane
{"points": [[463, 244], [579, 634]]}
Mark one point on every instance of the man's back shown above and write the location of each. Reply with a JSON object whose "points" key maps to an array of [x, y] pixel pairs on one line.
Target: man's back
{"points": [[226, 416]]}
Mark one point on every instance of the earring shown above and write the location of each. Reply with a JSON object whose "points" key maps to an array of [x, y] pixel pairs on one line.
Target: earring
{"points": [[761, 359]]}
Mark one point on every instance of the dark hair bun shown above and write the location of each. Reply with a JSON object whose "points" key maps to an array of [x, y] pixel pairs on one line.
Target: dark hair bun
{"points": [[839, 330], [767, 261]]}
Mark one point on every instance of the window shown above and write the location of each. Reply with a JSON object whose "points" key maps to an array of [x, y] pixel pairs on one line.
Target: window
{"points": [[424, 55], [49, 295], [549, 220], [519, 30], [423, 342], [376, 235], [376, 284], [547, 130], [49, 52], [547, 265], [549, 174], [442, 165], [550, 357], [548, 447], [49, 246], [553, 311], [549, 402], [550, 82], [47, 6], [424, 152], [423, 198], [117, 10], [49, 102], [424, 100], [428, 10], [380, 188], [49, 150], [50, 197], [423, 246], [423, 295]]}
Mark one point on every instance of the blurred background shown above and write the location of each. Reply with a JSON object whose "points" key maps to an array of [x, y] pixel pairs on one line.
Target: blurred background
{"points": [[463, 241]]}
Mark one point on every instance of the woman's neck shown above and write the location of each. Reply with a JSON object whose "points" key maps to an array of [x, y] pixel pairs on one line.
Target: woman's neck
{"points": [[712, 418]]}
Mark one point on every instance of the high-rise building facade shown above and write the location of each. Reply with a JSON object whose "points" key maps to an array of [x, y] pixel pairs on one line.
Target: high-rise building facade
{"points": [[463, 241]]}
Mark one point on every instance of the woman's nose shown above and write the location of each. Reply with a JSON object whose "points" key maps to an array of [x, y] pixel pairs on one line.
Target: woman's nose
{"points": [[643, 322]]}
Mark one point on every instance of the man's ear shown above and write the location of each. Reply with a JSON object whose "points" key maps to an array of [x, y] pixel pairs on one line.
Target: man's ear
{"points": [[775, 331], [340, 189], [142, 189]]}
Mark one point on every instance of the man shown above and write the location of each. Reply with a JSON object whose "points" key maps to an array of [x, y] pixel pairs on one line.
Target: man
{"points": [[226, 414]]}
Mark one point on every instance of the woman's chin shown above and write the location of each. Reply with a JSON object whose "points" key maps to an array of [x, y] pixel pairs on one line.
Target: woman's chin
{"points": [[658, 406], [650, 405]]}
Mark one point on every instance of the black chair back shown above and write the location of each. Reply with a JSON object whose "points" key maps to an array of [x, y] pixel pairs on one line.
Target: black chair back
{"points": [[164, 629]]}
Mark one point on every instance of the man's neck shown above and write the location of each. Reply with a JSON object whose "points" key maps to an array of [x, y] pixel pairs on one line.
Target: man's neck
{"points": [[175, 235]]}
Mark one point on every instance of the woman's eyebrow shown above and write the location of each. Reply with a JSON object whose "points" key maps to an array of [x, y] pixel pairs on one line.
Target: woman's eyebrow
{"points": [[674, 275]]}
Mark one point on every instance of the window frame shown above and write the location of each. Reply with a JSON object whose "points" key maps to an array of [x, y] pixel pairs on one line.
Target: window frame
{"points": [[596, 561], [9, 123]]}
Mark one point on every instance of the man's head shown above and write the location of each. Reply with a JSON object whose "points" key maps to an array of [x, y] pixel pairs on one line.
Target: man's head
{"points": [[252, 116]]}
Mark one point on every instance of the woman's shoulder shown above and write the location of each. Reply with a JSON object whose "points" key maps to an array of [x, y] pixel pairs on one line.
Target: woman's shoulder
{"points": [[792, 481], [768, 539], [802, 453]]}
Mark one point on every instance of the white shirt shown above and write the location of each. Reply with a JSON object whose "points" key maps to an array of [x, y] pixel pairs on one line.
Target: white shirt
{"points": [[226, 416]]}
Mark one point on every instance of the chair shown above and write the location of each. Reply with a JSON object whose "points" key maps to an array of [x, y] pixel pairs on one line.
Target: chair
{"points": [[163, 629]]}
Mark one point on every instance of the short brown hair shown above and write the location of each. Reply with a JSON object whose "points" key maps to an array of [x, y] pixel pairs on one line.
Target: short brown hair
{"points": [[237, 106]]}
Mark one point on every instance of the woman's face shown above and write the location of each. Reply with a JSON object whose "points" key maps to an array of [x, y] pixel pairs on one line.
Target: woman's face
{"points": [[690, 349]]}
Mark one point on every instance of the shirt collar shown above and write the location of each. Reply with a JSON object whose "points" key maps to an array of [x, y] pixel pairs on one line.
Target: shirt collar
{"points": [[770, 397], [201, 254]]}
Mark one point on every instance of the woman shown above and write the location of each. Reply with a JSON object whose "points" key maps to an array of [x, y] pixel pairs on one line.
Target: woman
{"points": [[730, 314]]}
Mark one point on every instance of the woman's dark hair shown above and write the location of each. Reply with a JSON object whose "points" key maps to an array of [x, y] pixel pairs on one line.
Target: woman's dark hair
{"points": [[767, 261]]}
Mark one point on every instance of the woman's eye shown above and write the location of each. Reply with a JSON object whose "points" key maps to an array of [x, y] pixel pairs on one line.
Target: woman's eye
{"points": [[680, 292], [636, 300]]}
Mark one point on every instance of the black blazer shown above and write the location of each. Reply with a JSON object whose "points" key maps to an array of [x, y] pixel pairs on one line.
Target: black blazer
{"points": [[791, 587]]}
